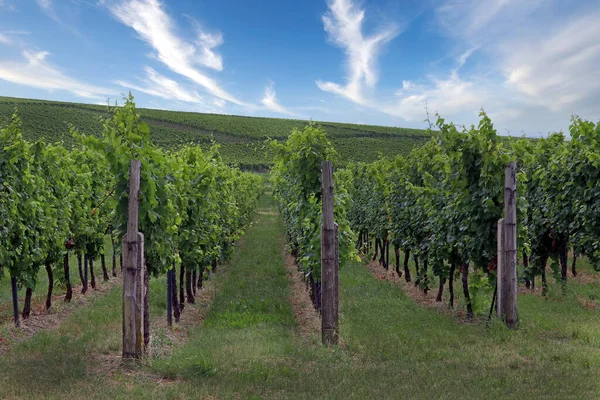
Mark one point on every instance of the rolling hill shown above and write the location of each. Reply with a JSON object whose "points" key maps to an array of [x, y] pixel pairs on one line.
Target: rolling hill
{"points": [[242, 139]]}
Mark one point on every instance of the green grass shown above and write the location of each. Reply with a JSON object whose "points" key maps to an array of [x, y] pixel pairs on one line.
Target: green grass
{"points": [[242, 139], [248, 347]]}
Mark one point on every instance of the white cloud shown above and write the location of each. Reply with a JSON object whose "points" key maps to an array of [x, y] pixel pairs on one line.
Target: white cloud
{"points": [[462, 59], [6, 5], [207, 42], [535, 63], [12, 37], [156, 28], [544, 54], [158, 85], [63, 14], [560, 70], [344, 26], [270, 102], [479, 21], [45, 4], [220, 103], [37, 72], [48, 7], [449, 96]]}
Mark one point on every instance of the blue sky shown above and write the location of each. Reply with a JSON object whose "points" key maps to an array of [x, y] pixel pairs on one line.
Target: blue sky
{"points": [[530, 64]]}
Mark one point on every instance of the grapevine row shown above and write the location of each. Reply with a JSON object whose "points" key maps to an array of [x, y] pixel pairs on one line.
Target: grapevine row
{"points": [[54, 200], [441, 203], [296, 177]]}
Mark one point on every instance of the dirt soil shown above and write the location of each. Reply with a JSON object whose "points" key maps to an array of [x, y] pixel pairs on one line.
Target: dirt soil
{"points": [[307, 317]]}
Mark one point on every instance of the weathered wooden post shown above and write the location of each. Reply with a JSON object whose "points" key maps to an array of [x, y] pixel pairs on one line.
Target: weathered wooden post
{"points": [[507, 260], [133, 287], [15, 300], [500, 267], [329, 261], [170, 297], [336, 284]]}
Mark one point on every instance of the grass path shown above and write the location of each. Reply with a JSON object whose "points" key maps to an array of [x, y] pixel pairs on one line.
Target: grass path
{"points": [[248, 346]]}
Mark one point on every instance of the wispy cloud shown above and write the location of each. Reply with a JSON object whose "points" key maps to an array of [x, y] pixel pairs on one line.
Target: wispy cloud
{"points": [[12, 37], [156, 28], [560, 70], [462, 59], [179, 97], [450, 96], [48, 7], [63, 14], [45, 4], [534, 58], [158, 85], [36, 71], [6, 5], [546, 54], [207, 42], [270, 102], [481, 21], [344, 25]]}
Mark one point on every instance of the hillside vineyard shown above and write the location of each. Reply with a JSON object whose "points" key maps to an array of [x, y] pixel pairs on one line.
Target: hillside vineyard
{"points": [[242, 139]]}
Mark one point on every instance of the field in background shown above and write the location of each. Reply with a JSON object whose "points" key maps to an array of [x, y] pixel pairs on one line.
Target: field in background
{"points": [[242, 139]]}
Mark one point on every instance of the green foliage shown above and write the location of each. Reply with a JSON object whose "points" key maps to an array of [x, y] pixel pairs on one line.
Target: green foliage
{"points": [[48, 196], [297, 188], [442, 201], [21, 206], [127, 138], [189, 201], [563, 195], [192, 206]]}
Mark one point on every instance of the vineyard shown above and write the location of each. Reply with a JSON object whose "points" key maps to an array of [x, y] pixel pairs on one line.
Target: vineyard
{"points": [[58, 202], [242, 139], [231, 290], [439, 207]]}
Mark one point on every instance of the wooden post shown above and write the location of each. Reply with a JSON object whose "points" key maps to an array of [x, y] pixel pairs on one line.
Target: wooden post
{"points": [[170, 297], [508, 293], [15, 300], [133, 287], [329, 261], [500, 267], [336, 284]]}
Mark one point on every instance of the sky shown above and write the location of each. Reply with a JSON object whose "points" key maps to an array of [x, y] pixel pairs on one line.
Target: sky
{"points": [[530, 64]]}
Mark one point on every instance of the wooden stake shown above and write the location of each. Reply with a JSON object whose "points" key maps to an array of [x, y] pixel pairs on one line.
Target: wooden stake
{"points": [[133, 287], [500, 268], [336, 284], [329, 261], [15, 300], [508, 293], [170, 297]]}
